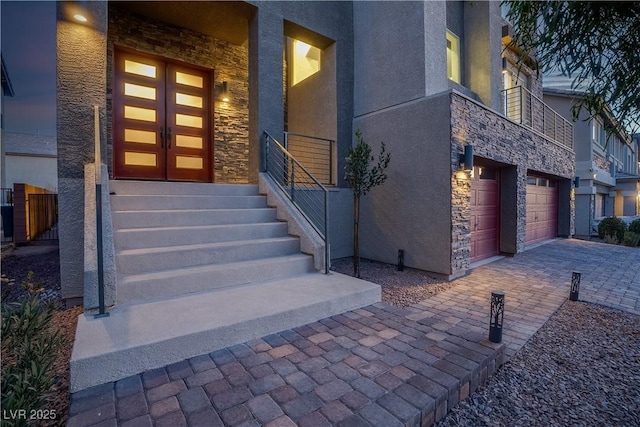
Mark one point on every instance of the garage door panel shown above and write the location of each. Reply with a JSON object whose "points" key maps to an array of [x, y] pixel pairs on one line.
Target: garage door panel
{"points": [[542, 211], [485, 207]]}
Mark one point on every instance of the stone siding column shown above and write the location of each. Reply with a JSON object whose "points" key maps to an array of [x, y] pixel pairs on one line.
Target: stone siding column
{"points": [[81, 84]]}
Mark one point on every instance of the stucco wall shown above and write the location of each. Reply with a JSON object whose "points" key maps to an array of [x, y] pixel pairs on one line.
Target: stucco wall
{"points": [[230, 64], [332, 20], [411, 210], [400, 53]]}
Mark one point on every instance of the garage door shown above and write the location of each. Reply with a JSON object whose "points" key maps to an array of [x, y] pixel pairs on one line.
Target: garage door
{"points": [[485, 209], [542, 209]]}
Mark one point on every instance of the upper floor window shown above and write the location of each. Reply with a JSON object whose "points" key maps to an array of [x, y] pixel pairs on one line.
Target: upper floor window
{"points": [[453, 57], [513, 76], [598, 133], [305, 61]]}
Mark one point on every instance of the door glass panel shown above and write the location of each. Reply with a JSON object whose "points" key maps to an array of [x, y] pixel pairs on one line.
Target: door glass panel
{"points": [[189, 162], [139, 68], [189, 121], [139, 159], [137, 113], [140, 136], [140, 91], [189, 141], [189, 79], [189, 100]]}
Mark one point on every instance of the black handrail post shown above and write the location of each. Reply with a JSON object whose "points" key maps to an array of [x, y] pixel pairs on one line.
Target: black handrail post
{"points": [[293, 181], [327, 255], [98, 177]]}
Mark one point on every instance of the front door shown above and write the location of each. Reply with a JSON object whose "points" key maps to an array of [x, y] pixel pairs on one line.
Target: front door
{"points": [[161, 120]]}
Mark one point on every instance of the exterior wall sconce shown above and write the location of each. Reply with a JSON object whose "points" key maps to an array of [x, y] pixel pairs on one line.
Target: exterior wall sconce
{"points": [[224, 92], [79, 17], [576, 182], [466, 159], [497, 316], [575, 285]]}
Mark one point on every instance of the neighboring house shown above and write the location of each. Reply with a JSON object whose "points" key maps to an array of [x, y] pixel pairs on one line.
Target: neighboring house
{"points": [[30, 159], [607, 164], [427, 78]]}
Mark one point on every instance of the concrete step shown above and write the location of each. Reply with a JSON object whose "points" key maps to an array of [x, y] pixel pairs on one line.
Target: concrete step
{"points": [[138, 337], [153, 237], [169, 202], [171, 283], [124, 187], [182, 217], [136, 261]]}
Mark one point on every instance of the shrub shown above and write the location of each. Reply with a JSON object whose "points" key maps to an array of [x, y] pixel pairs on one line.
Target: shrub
{"points": [[29, 350], [611, 239], [631, 239], [634, 227], [612, 226]]}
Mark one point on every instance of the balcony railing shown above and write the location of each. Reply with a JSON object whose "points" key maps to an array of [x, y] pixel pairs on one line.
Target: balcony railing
{"points": [[525, 108]]}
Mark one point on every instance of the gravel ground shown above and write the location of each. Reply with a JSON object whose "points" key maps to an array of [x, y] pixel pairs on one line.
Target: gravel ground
{"points": [[46, 267], [582, 368], [399, 288]]}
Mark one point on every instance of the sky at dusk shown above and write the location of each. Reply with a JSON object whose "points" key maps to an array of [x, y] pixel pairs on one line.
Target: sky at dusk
{"points": [[29, 53]]}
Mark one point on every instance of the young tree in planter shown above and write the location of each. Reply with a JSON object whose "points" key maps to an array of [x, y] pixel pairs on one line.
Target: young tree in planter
{"points": [[361, 179]]}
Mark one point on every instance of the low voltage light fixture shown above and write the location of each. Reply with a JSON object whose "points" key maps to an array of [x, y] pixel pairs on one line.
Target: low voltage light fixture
{"points": [[466, 159], [224, 92], [80, 18]]}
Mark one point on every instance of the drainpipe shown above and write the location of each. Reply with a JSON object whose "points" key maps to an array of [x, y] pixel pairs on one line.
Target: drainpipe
{"points": [[98, 163]]}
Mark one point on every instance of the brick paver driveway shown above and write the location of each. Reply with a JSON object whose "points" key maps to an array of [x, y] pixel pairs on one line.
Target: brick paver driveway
{"points": [[379, 365]]}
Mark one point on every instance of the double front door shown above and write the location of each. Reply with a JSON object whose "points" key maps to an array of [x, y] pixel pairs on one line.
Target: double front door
{"points": [[162, 119]]}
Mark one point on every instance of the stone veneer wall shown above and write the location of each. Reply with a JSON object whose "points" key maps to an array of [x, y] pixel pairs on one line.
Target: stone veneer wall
{"points": [[229, 62], [601, 162], [496, 138]]}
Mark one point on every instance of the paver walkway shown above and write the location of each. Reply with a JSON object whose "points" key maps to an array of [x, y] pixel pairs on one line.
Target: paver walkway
{"points": [[379, 365]]}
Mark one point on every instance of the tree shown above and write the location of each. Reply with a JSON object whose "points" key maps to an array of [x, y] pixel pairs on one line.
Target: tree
{"points": [[594, 43], [361, 179]]}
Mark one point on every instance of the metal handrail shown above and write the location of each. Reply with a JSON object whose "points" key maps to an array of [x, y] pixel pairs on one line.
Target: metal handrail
{"points": [[522, 106], [314, 152], [301, 187]]}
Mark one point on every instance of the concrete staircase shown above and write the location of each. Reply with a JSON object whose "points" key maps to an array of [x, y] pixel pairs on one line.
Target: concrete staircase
{"points": [[177, 238], [201, 267]]}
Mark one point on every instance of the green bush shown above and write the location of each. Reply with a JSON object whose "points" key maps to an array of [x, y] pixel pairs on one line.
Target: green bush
{"points": [[29, 351], [612, 226], [634, 227], [631, 239]]}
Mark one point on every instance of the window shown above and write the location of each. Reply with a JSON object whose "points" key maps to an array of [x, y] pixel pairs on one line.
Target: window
{"points": [[453, 57], [306, 61]]}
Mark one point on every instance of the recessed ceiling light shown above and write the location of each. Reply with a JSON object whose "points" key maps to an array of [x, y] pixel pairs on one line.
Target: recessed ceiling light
{"points": [[79, 18]]}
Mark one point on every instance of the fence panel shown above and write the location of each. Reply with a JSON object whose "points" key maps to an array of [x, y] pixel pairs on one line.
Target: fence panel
{"points": [[6, 206], [43, 216]]}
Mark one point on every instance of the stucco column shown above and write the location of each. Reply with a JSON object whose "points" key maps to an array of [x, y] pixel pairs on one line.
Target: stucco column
{"points": [[483, 46], [266, 112], [81, 84]]}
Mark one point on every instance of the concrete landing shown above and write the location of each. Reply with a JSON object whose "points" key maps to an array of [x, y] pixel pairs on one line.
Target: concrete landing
{"points": [[135, 338]]}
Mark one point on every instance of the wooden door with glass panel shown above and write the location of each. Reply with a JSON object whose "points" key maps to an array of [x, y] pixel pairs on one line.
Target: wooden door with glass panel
{"points": [[161, 114]]}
